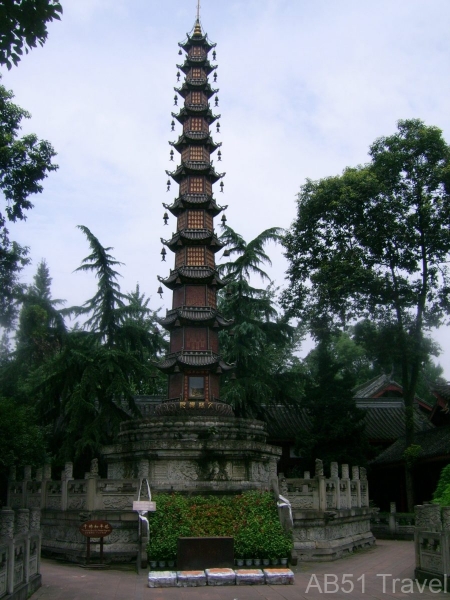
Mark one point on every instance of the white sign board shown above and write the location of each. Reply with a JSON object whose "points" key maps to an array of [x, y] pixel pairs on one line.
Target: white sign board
{"points": [[144, 505]]}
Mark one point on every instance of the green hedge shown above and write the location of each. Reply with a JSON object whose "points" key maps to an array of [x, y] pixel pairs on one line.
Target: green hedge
{"points": [[251, 519]]}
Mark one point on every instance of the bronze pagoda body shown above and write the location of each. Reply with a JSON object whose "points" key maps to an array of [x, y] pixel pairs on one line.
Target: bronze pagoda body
{"points": [[194, 364]]}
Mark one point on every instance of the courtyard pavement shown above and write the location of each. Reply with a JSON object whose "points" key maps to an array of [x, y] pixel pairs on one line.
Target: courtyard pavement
{"points": [[372, 573]]}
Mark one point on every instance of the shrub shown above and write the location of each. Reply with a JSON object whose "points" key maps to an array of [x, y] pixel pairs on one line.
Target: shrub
{"points": [[442, 494], [251, 519]]}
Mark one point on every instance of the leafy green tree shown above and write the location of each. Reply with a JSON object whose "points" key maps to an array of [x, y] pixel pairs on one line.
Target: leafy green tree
{"points": [[88, 387], [262, 343], [24, 163], [337, 425], [23, 24], [374, 243]]}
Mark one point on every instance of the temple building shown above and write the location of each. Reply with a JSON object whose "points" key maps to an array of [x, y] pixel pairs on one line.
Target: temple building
{"points": [[194, 364]]}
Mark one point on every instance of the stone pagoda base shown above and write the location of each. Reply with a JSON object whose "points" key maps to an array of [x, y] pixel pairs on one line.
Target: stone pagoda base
{"points": [[195, 454]]}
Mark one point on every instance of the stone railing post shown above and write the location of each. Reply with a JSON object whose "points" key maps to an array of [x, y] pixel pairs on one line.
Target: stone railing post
{"points": [[91, 492], [364, 487], [334, 472], [26, 479], [345, 478], [428, 517], [393, 518], [46, 479], [35, 528], [7, 534], [66, 476], [356, 480], [321, 484]]}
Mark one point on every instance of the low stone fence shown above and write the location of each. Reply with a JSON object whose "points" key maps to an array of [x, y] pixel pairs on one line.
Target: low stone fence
{"points": [[432, 543], [393, 525], [330, 515], [68, 502], [20, 541]]}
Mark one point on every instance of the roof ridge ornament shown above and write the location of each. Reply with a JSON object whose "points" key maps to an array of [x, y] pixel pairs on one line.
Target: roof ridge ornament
{"points": [[198, 27]]}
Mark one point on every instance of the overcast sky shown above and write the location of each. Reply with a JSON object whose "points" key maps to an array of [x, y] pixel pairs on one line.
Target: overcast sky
{"points": [[305, 87]]}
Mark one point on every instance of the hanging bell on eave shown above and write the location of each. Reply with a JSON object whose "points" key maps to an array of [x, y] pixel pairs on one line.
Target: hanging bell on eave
{"points": [[175, 100], [214, 55], [166, 218], [224, 218], [215, 77], [221, 189], [218, 127], [180, 53], [160, 291], [171, 154], [219, 370], [226, 253], [176, 369], [178, 76], [219, 155], [172, 125], [163, 254], [168, 185], [216, 100], [233, 376]]}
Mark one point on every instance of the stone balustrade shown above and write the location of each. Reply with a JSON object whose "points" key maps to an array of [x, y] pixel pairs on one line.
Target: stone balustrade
{"points": [[20, 542], [432, 542]]}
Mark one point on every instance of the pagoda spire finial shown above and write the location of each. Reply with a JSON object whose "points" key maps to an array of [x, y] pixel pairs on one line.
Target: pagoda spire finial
{"points": [[198, 27]]}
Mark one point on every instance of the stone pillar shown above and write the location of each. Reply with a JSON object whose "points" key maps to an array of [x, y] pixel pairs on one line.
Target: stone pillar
{"points": [[364, 487], [7, 531], [334, 472], [321, 483], [35, 519], [23, 520], [47, 474], [66, 476], [428, 517], [143, 469], [346, 479], [392, 518], [6, 523], [306, 475], [39, 474], [446, 519], [91, 495], [355, 480]]}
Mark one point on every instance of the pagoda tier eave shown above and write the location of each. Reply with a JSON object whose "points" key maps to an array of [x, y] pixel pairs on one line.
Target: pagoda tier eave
{"points": [[188, 87], [191, 201], [192, 275], [194, 237], [191, 41], [186, 113], [204, 64], [193, 359], [195, 315], [194, 168], [185, 140]]}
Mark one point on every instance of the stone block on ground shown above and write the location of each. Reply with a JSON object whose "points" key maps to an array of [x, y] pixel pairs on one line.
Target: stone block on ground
{"points": [[249, 577], [191, 578], [220, 576], [160, 579], [278, 576]]}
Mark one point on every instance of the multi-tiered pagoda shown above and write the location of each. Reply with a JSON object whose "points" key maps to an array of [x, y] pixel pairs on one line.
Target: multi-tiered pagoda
{"points": [[194, 364]]}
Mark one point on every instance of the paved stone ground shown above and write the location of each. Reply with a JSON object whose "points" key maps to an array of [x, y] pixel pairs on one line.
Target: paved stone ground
{"points": [[392, 558]]}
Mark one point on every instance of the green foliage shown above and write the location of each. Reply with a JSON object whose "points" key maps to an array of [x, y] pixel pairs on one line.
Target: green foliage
{"points": [[442, 494], [262, 343], [251, 518], [375, 242], [24, 163], [337, 425], [22, 439], [412, 454], [23, 24]]}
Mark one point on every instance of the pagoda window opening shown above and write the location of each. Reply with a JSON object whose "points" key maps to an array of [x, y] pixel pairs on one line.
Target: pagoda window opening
{"points": [[195, 257], [196, 153], [196, 124], [197, 51], [195, 219], [197, 73], [196, 388], [196, 98], [196, 185]]}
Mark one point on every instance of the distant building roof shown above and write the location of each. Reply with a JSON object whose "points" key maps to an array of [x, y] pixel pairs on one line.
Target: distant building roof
{"points": [[385, 420], [434, 443]]}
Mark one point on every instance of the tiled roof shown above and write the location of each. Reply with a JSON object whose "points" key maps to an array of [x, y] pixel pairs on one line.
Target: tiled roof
{"points": [[385, 420], [371, 388], [433, 443], [195, 314]]}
